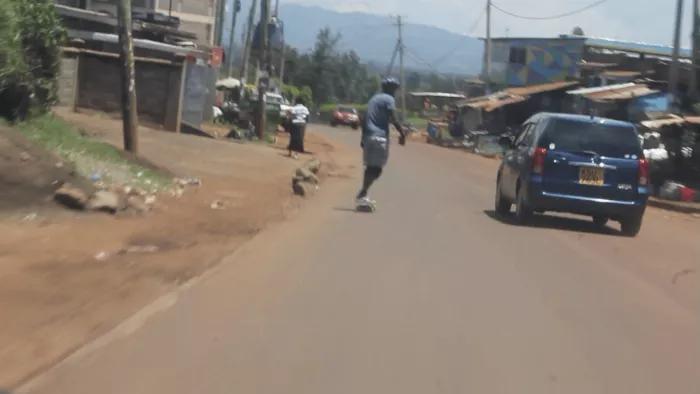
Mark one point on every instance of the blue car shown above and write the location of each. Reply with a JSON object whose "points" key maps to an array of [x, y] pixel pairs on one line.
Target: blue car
{"points": [[575, 164]]}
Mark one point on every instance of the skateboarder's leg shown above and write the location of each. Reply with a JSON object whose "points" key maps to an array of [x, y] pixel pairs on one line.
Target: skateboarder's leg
{"points": [[371, 174], [375, 154]]}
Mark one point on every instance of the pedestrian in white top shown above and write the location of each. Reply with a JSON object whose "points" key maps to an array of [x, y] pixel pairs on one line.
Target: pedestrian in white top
{"points": [[298, 117]]}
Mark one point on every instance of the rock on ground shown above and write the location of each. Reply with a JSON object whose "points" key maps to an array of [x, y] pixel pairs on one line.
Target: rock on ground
{"points": [[105, 201], [71, 196], [306, 175]]}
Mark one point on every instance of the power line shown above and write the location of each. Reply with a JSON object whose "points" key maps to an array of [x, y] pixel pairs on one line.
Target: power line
{"points": [[570, 13], [461, 40]]}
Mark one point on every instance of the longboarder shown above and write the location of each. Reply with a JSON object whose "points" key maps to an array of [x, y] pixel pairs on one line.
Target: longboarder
{"points": [[380, 113]]}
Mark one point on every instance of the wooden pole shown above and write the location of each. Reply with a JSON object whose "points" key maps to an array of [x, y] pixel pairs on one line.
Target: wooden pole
{"points": [[229, 52], [248, 37], [264, 65], [128, 78]]}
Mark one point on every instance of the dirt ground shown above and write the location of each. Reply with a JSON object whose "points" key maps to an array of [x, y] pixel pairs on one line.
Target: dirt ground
{"points": [[66, 279], [29, 175]]}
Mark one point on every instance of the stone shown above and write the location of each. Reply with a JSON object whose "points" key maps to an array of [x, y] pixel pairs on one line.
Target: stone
{"points": [[138, 203], [71, 197], [104, 201], [24, 156], [314, 165], [306, 175], [299, 189]]}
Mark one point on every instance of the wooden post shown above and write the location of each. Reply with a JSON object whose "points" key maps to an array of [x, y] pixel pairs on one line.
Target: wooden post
{"points": [[264, 65], [128, 78]]}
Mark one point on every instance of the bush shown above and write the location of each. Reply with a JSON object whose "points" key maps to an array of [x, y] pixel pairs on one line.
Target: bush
{"points": [[31, 36]]}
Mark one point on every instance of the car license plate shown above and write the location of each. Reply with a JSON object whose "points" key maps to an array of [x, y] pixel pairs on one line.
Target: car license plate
{"points": [[591, 176]]}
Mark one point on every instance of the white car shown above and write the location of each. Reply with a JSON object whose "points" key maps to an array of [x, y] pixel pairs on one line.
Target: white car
{"points": [[275, 98]]}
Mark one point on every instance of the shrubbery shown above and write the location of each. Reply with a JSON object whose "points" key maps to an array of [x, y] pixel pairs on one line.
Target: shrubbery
{"points": [[31, 36]]}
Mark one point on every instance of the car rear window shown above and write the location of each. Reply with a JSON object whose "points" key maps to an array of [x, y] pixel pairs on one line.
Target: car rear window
{"points": [[604, 139], [346, 110]]}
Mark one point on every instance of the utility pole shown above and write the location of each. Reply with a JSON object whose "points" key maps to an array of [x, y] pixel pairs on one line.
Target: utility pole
{"points": [[673, 73], [487, 57], [263, 65], [248, 38], [283, 49], [399, 23], [128, 78], [695, 74], [219, 22], [229, 54]]}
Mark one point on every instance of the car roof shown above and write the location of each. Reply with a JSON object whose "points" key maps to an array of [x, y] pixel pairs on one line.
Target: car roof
{"points": [[580, 118]]}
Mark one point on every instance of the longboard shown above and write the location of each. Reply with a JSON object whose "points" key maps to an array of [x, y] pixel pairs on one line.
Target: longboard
{"points": [[366, 208]]}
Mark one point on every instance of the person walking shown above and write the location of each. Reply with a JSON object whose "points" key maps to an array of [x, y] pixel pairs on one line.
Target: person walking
{"points": [[380, 113], [298, 117]]}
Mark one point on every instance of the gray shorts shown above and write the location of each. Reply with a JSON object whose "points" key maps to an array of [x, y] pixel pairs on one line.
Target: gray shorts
{"points": [[375, 151]]}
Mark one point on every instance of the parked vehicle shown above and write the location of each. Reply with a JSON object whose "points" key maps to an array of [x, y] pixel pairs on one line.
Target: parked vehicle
{"points": [[273, 101], [575, 164], [346, 116]]}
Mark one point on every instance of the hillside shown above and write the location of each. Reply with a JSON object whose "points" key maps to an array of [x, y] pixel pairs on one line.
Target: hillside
{"points": [[373, 37]]}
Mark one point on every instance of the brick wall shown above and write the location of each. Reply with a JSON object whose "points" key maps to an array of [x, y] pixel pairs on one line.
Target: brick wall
{"points": [[66, 79], [157, 89]]}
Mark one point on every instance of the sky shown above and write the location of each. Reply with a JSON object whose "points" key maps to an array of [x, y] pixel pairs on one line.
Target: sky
{"points": [[649, 21]]}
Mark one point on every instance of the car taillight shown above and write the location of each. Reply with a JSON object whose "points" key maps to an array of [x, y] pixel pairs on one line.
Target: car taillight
{"points": [[644, 172], [538, 161]]}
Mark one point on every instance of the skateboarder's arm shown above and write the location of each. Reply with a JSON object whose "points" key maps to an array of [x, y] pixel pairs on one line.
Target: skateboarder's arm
{"points": [[395, 122]]}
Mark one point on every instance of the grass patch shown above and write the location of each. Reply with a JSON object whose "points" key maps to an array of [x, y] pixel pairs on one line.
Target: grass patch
{"points": [[91, 158], [417, 122]]}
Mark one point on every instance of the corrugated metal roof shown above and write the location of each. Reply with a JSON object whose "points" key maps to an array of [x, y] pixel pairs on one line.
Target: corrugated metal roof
{"points": [[490, 105], [620, 73], [437, 94], [621, 94], [584, 91], [632, 46], [584, 63], [658, 123], [535, 89]]}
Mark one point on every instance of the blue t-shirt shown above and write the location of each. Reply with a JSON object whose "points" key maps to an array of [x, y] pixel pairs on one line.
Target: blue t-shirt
{"points": [[378, 116]]}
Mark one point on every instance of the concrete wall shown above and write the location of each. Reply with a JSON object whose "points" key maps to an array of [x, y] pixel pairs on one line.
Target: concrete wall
{"points": [[196, 16], [67, 81], [157, 89]]}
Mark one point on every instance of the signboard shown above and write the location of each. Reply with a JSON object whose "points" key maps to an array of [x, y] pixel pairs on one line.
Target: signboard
{"points": [[217, 57]]}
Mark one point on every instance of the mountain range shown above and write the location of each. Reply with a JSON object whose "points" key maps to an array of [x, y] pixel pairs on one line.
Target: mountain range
{"points": [[374, 37]]}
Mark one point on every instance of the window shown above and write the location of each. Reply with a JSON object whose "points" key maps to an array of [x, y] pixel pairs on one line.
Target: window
{"points": [[525, 135], [607, 140], [518, 56], [347, 110]]}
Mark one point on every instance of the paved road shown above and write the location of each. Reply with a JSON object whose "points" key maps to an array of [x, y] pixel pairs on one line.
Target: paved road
{"points": [[432, 294]]}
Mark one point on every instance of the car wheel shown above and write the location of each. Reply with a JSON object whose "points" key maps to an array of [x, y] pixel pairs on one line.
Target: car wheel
{"points": [[355, 126], [502, 205], [630, 226], [523, 212], [333, 124], [600, 221]]}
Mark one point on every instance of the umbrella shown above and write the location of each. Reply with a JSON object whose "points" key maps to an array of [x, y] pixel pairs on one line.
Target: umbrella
{"points": [[228, 83]]}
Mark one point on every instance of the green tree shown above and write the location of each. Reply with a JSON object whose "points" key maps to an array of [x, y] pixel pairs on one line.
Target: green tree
{"points": [[31, 36]]}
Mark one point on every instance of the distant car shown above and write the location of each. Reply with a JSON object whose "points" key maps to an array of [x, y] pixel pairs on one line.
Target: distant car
{"points": [[346, 116], [575, 164]]}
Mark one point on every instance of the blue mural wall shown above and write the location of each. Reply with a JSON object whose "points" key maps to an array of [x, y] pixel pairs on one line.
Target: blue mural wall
{"points": [[538, 61]]}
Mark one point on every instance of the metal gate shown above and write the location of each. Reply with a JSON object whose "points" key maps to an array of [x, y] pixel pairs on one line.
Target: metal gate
{"points": [[200, 80]]}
